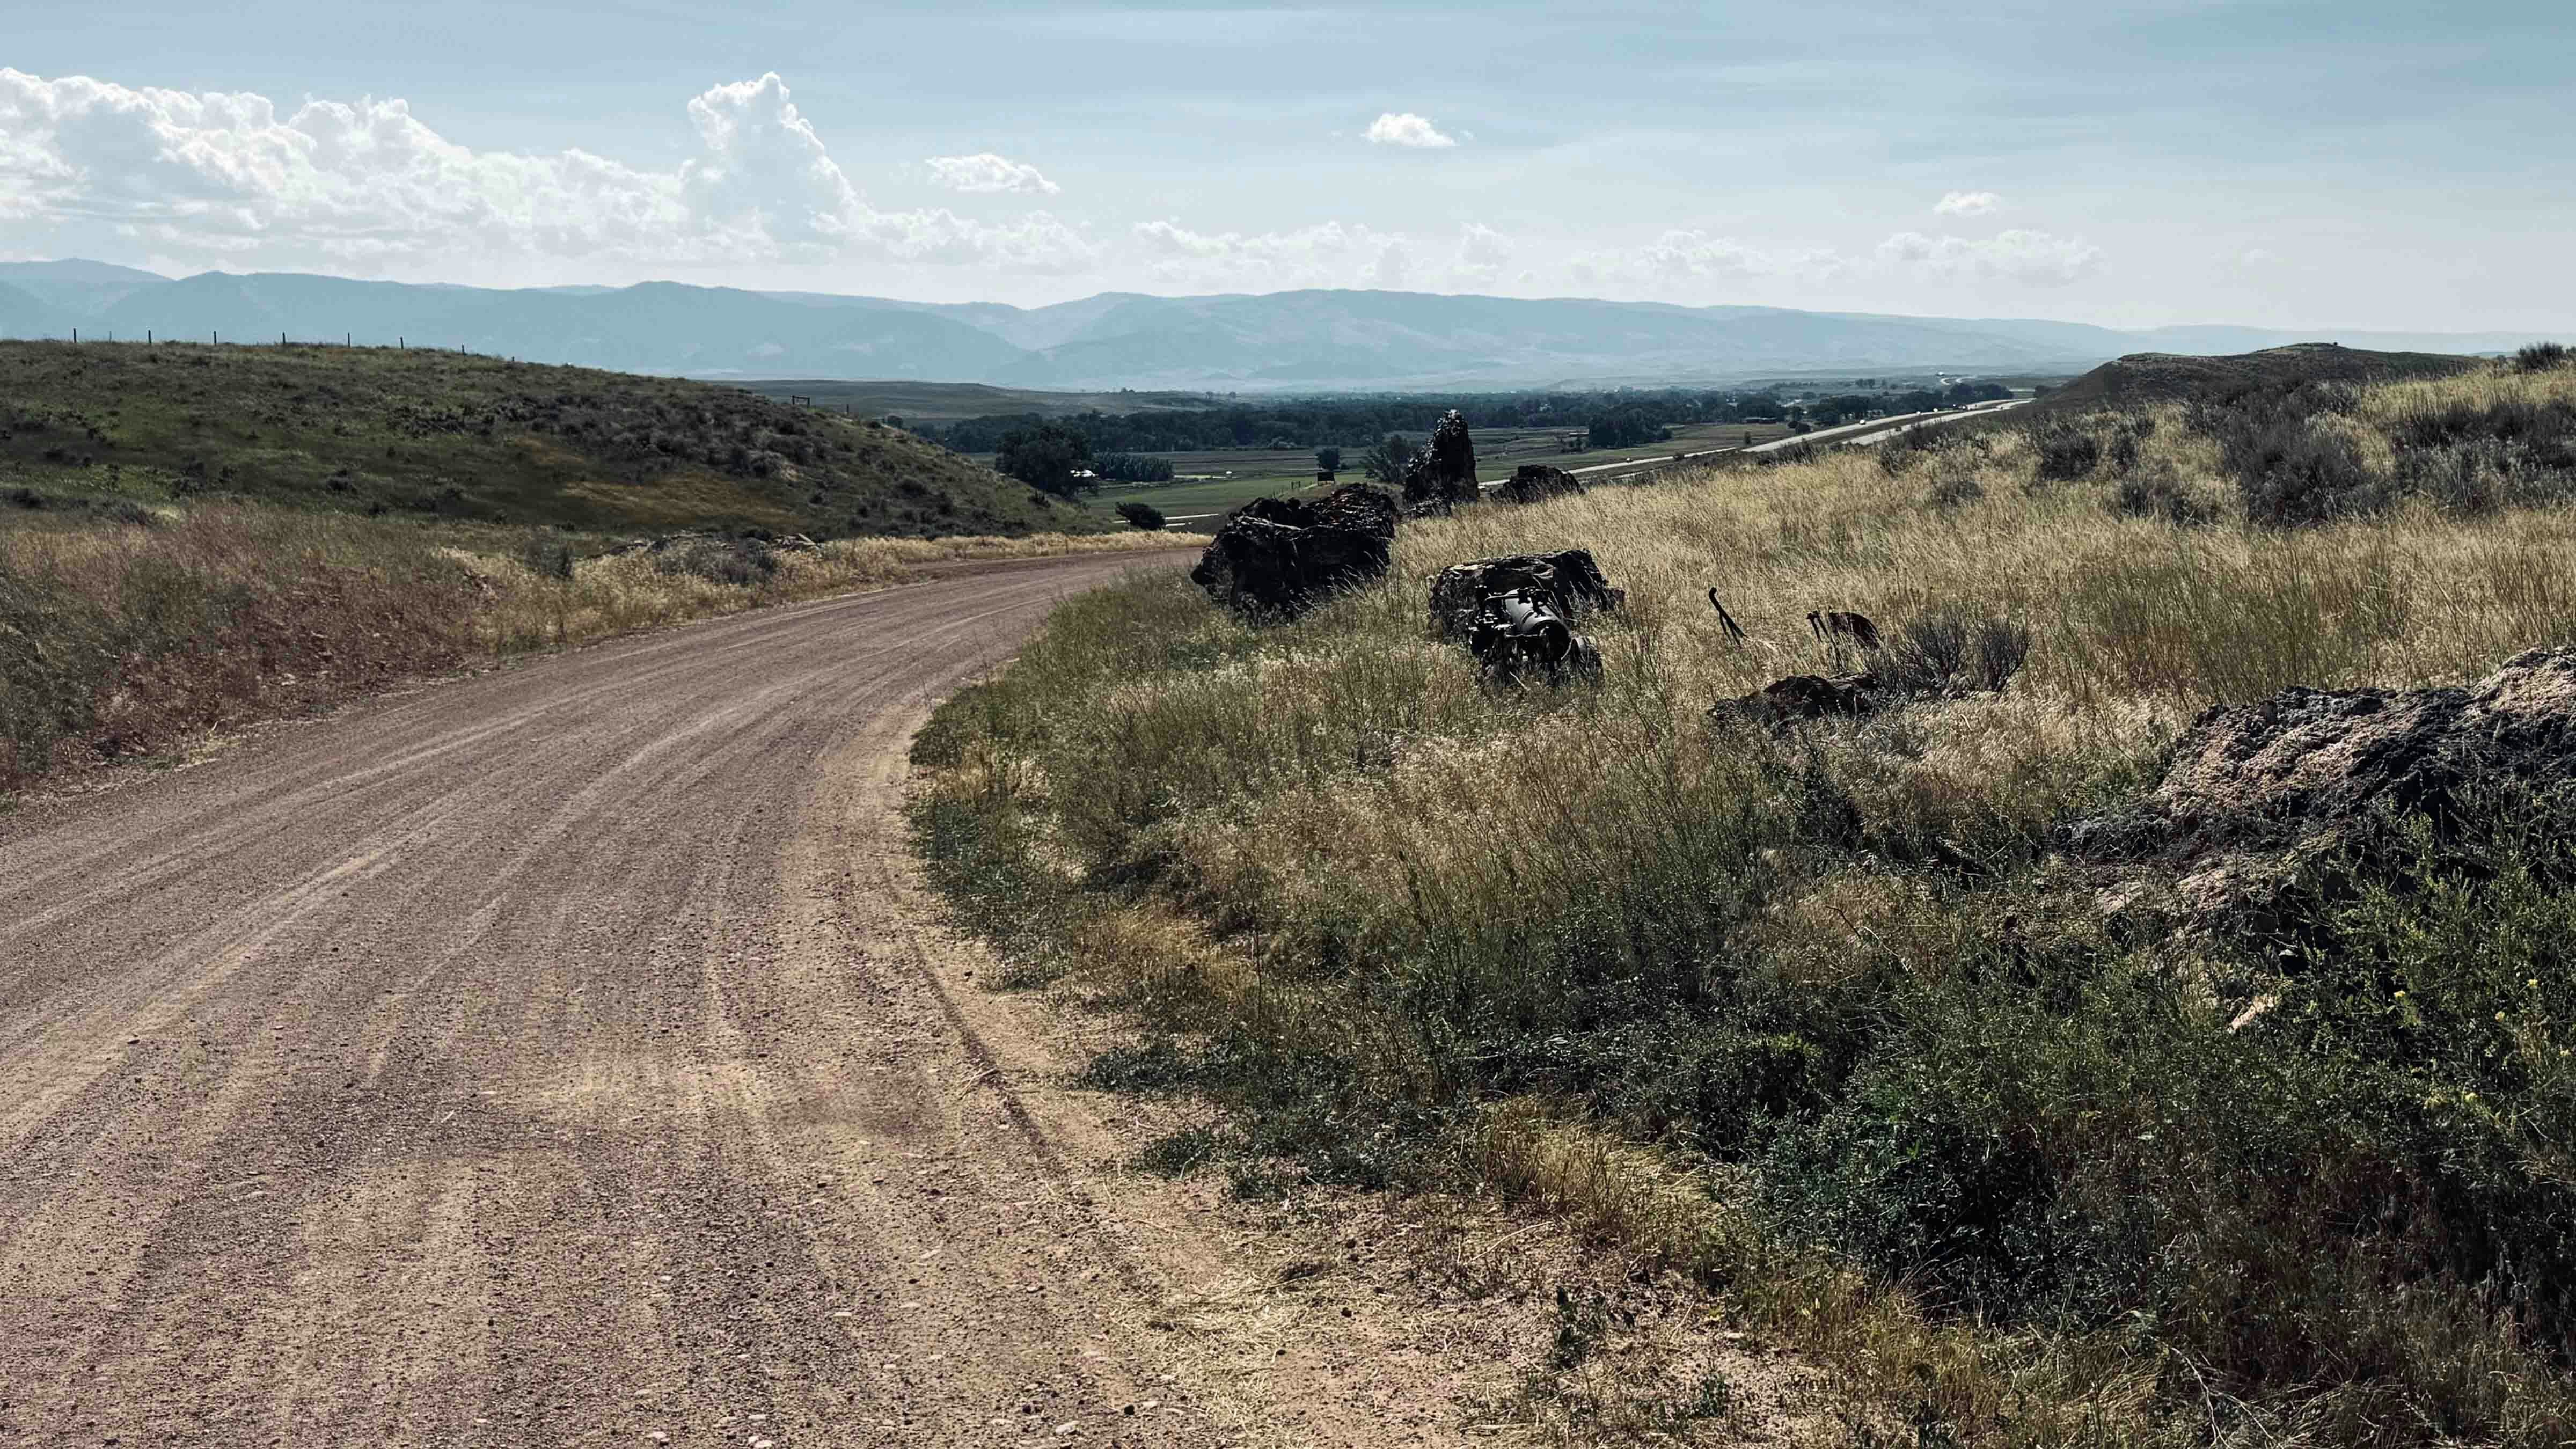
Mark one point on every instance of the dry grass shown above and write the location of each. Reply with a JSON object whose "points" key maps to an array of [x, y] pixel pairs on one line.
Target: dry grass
{"points": [[523, 609], [2003, 1170], [124, 638]]}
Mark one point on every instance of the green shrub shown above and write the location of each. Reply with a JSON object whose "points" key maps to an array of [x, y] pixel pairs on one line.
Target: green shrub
{"points": [[2066, 450], [2159, 493], [2291, 472], [737, 562], [547, 555]]}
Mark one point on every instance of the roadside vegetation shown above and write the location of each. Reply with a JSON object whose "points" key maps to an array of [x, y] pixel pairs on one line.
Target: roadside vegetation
{"points": [[1825, 1018], [134, 633], [194, 537]]}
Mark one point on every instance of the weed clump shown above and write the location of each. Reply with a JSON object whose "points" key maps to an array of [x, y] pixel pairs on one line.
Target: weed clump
{"points": [[2159, 493], [547, 555], [2544, 357], [2066, 450], [734, 562]]}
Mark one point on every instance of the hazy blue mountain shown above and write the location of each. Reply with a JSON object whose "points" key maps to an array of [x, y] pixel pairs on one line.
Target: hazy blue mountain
{"points": [[23, 314], [1377, 339], [654, 327], [76, 288], [1305, 340], [74, 269]]}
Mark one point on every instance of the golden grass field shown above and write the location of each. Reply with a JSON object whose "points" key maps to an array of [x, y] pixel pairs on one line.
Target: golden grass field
{"points": [[1825, 1021]]}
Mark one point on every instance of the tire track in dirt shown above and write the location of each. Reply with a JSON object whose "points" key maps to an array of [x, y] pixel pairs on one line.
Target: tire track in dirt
{"points": [[561, 1056]]}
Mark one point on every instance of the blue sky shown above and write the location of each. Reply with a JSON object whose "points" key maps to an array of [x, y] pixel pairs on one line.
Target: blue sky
{"points": [[2289, 163]]}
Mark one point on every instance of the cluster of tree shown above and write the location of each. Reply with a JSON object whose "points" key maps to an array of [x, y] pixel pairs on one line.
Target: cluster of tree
{"points": [[1386, 459], [1040, 451], [1355, 421], [1132, 468], [1852, 407], [1626, 427], [1046, 458]]}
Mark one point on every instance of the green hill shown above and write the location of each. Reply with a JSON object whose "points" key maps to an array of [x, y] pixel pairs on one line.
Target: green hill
{"points": [[2146, 377], [376, 430]]}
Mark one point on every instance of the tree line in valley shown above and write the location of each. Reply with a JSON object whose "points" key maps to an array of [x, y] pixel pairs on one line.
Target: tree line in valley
{"points": [[1617, 419]]}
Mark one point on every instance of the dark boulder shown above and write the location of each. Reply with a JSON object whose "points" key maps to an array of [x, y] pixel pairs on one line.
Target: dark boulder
{"points": [[1569, 584], [1353, 505], [1443, 474], [1277, 557], [1805, 697], [1537, 482], [2297, 767]]}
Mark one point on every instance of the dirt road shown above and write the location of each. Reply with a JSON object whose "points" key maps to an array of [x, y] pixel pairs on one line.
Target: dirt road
{"points": [[560, 1056]]}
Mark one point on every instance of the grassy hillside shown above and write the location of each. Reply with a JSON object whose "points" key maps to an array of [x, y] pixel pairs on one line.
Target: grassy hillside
{"points": [[372, 430], [2150, 377], [2017, 1148]]}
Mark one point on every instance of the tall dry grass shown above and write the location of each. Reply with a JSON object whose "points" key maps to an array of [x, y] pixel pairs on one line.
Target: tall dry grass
{"points": [[121, 637], [1913, 1101]]}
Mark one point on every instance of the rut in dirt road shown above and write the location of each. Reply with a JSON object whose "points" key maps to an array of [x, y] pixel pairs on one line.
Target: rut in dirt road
{"points": [[544, 1058]]}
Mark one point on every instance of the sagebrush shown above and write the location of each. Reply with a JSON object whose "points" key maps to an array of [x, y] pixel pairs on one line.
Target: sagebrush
{"points": [[2019, 1166]]}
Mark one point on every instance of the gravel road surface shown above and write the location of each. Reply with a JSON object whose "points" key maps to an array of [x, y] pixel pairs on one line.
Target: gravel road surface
{"points": [[561, 1056]]}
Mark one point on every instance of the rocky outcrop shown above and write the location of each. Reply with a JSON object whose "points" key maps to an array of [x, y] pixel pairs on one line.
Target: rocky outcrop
{"points": [[1805, 697], [1278, 557], [1569, 584], [1443, 473], [749, 541], [2296, 767], [1536, 483], [1353, 505]]}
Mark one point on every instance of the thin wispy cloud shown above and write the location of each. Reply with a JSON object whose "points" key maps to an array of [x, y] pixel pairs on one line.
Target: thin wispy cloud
{"points": [[986, 172], [1403, 128], [1966, 203]]}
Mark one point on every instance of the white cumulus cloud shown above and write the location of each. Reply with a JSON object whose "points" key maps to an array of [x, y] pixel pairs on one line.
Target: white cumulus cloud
{"points": [[1394, 263], [1966, 203], [2035, 257], [1482, 254], [986, 172], [1682, 255], [366, 185], [1329, 254], [1403, 128]]}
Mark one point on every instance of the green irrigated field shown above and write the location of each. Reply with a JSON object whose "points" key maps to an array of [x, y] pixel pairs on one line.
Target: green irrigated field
{"points": [[1220, 480]]}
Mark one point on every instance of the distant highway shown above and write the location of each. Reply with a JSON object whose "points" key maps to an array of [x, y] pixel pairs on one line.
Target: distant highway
{"points": [[1878, 430]]}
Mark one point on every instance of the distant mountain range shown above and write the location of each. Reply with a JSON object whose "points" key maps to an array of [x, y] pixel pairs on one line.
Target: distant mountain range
{"points": [[1285, 341]]}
